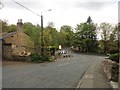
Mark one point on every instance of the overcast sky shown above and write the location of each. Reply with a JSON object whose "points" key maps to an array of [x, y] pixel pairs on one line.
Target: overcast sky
{"points": [[64, 12]]}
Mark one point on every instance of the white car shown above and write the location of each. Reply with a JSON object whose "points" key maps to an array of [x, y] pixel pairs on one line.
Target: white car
{"points": [[64, 53]]}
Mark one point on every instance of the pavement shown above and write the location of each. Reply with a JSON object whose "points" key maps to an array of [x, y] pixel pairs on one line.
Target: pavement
{"points": [[94, 77]]}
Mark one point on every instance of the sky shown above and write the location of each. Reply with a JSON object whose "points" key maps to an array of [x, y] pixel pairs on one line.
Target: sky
{"points": [[64, 12]]}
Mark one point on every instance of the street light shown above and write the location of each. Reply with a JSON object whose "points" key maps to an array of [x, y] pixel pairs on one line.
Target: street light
{"points": [[42, 34]]}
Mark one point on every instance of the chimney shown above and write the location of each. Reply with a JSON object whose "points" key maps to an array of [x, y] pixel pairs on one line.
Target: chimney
{"points": [[19, 25]]}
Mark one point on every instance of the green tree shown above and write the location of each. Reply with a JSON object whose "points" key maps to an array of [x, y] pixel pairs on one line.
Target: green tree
{"points": [[12, 28], [5, 26], [52, 35], [113, 41], [106, 30], [8, 28], [67, 33], [89, 20], [85, 37], [47, 37], [34, 32]]}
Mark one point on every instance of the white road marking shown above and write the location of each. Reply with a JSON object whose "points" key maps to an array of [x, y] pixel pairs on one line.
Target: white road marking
{"points": [[63, 59], [88, 76], [62, 64]]}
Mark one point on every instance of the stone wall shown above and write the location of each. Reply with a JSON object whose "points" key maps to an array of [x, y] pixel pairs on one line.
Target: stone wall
{"points": [[119, 74], [7, 51], [111, 69]]}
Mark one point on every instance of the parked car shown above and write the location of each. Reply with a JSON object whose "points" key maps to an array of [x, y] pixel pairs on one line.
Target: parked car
{"points": [[64, 53]]}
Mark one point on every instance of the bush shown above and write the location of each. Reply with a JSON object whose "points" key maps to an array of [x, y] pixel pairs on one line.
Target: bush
{"points": [[114, 57], [45, 57], [39, 58], [52, 58], [35, 57]]}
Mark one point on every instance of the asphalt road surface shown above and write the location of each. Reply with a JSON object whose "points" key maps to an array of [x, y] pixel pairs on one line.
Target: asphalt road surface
{"points": [[64, 73]]}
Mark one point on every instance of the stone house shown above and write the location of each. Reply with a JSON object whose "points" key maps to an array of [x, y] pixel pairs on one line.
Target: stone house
{"points": [[15, 43]]}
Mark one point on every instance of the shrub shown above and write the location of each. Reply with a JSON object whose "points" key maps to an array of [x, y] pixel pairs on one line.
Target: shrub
{"points": [[40, 58], [114, 57], [52, 58], [35, 57], [45, 57]]}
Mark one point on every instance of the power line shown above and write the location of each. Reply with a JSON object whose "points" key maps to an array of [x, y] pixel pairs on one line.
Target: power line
{"points": [[26, 8]]}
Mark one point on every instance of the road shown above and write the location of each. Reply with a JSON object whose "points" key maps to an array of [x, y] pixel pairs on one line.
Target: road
{"points": [[64, 73]]}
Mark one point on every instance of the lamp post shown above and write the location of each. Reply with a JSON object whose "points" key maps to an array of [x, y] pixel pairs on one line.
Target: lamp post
{"points": [[42, 34]]}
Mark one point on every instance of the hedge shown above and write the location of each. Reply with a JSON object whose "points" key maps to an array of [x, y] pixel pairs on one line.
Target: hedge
{"points": [[114, 57]]}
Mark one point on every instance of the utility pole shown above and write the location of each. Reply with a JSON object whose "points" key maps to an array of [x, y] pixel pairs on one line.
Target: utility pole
{"points": [[42, 33], [119, 41], [42, 37]]}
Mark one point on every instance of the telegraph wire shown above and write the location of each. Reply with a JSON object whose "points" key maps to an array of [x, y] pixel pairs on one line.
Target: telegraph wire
{"points": [[26, 8]]}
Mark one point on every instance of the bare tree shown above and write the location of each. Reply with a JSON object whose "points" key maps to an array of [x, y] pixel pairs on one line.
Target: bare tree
{"points": [[106, 30]]}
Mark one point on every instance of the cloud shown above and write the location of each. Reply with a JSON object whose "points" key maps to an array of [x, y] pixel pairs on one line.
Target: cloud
{"points": [[70, 12], [28, 4], [92, 5]]}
